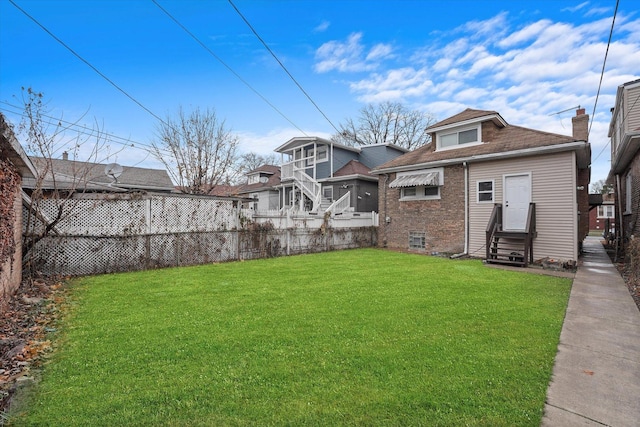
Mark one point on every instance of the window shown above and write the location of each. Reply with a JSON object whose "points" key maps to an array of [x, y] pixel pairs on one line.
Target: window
{"points": [[453, 139], [605, 211], [322, 154], [485, 191], [417, 240], [421, 192], [327, 193], [628, 190], [253, 179]]}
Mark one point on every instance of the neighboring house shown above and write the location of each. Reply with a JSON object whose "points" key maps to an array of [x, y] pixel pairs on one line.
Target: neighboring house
{"points": [[15, 167], [602, 212], [319, 175], [624, 132], [489, 189], [86, 177], [262, 186]]}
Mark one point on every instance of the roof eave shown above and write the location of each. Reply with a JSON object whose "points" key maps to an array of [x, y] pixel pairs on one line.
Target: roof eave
{"points": [[549, 149], [496, 118]]}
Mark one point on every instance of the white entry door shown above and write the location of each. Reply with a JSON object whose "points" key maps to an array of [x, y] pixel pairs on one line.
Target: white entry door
{"points": [[517, 196]]}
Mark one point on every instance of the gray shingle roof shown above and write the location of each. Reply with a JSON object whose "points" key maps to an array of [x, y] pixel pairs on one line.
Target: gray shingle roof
{"points": [[71, 174]]}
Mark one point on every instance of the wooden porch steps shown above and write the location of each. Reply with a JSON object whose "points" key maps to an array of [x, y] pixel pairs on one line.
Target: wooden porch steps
{"points": [[508, 247]]}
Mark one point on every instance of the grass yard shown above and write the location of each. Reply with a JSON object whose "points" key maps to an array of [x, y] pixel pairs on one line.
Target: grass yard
{"points": [[359, 337]]}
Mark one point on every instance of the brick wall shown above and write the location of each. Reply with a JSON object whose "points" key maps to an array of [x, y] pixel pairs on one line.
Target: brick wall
{"points": [[11, 227], [441, 220]]}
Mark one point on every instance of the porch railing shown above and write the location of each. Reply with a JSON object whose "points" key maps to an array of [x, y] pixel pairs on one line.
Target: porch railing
{"points": [[341, 205]]}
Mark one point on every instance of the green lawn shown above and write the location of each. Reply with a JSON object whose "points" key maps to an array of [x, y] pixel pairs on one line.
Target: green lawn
{"points": [[359, 337]]}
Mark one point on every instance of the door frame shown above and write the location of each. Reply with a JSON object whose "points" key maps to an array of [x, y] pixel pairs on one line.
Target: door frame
{"points": [[504, 193]]}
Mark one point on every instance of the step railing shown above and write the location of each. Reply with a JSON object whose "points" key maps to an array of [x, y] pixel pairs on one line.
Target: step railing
{"points": [[494, 225], [310, 187], [340, 205]]}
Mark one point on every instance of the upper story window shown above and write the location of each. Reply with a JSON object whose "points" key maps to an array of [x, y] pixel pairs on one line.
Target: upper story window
{"points": [[455, 137], [606, 211], [253, 179], [316, 155]]}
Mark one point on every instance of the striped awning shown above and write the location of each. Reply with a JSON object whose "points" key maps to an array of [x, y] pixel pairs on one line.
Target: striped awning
{"points": [[431, 178]]}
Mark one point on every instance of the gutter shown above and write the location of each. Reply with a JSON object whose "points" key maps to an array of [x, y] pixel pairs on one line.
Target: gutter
{"points": [[558, 148]]}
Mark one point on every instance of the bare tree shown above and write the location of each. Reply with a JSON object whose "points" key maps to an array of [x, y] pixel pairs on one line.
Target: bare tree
{"points": [[197, 149], [600, 186], [386, 123], [50, 198]]}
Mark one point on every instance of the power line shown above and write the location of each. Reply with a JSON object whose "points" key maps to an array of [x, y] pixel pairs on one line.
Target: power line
{"points": [[205, 47], [87, 62], [87, 131], [593, 115], [624, 118], [282, 65]]}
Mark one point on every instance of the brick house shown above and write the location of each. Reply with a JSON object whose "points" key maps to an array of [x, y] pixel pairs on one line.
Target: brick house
{"points": [[14, 166], [489, 189], [624, 131]]}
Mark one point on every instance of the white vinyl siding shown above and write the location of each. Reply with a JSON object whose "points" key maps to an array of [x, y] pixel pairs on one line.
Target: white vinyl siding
{"points": [[553, 190], [632, 109]]}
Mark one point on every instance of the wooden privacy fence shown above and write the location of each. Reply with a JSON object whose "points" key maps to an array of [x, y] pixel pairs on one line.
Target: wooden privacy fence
{"points": [[137, 232]]}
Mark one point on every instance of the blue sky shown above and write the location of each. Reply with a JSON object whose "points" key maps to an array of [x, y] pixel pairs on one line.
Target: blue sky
{"points": [[526, 60]]}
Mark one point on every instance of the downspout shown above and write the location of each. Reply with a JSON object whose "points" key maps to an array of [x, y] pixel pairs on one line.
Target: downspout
{"points": [[619, 225], [466, 213], [386, 214]]}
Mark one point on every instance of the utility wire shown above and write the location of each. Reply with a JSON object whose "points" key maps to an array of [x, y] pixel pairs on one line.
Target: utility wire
{"points": [[87, 62], [205, 47], [624, 118], [88, 131], [281, 65], [593, 115]]}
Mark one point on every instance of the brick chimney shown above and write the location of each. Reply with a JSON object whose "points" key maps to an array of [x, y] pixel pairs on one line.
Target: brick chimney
{"points": [[580, 125], [65, 155]]}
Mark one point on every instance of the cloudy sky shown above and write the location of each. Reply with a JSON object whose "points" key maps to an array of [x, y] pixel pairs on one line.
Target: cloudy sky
{"points": [[533, 62]]}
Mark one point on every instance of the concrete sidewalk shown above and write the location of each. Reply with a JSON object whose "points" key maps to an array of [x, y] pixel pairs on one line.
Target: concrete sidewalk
{"points": [[596, 376]]}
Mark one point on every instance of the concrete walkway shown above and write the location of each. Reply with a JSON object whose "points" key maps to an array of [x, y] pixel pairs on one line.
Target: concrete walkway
{"points": [[596, 376]]}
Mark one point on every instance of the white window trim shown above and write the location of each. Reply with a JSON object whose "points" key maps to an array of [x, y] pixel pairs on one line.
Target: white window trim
{"points": [[493, 191], [477, 126], [420, 188], [419, 194], [628, 193], [603, 214]]}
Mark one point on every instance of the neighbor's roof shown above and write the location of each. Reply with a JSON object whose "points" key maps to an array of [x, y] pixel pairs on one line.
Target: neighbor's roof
{"points": [[266, 169], [508, 139], [272, 181], [71, 174], [353, 167]]}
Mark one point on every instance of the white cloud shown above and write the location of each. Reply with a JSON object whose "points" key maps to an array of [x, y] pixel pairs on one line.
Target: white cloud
{"points": [[322, 27], [526, 73], [576, 8], [350, 56], [395, 85], [527, 33]]}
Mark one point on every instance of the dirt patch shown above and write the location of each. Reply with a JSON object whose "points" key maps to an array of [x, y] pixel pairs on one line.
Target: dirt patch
{"points": [[627, 269], [26, 326]]}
